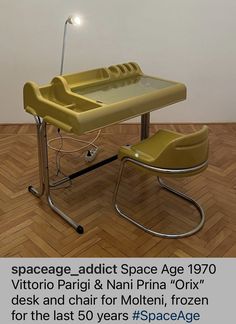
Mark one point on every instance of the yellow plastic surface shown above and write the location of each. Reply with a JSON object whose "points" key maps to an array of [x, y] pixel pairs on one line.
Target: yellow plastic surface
{"points": [[170, 150], [85, 101]]}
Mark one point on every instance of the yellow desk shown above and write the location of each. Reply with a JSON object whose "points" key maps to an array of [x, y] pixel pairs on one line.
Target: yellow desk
{"points": [[90, 100]]}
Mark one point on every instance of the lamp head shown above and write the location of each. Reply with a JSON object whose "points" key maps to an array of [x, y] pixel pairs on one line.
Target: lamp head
{"points": [[74, 20]]}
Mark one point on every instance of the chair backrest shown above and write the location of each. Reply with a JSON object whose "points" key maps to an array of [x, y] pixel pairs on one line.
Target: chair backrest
{"points": [[187, 151]]}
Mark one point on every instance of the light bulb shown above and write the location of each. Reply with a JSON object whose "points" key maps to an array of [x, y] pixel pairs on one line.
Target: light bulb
{"points": [[74, 20]]}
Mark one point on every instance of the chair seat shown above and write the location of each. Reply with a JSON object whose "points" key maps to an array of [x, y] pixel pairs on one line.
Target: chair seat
{"points": [[148, 150], [170, 150]]}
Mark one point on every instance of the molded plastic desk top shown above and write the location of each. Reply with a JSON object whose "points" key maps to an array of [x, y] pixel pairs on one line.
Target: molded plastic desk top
{"points": [[85, 101]]}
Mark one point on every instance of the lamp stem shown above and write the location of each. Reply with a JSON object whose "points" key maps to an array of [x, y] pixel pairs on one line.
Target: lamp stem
{"points": [[63, 47]]}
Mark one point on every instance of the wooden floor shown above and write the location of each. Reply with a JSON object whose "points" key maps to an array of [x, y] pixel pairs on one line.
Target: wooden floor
{"points": [[28, 228]]}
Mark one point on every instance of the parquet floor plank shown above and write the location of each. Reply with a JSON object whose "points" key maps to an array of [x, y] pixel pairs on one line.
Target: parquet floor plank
{"points": [[29, 228]]}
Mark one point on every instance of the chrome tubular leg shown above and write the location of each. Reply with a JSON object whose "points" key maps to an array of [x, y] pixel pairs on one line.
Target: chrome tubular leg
{"points": [[52, 205], [188, 199], [148, 230], [145, 122], [122, 213], [118, 182], [59, 182], [115, 205], [34, 191]]}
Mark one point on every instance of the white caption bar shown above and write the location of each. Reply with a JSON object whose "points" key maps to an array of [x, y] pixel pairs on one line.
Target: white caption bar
{"points": [[118, 290]]}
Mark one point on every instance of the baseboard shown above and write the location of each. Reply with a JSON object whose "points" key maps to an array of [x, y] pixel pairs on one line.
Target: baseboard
{"points": [[152, 123]]}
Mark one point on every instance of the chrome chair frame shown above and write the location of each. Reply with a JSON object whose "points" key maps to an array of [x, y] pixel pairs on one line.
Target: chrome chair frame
{"points": [[166, 187]]}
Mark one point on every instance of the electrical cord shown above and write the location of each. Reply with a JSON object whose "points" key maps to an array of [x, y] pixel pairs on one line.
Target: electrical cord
{"points": [[59, 155], [88, 143], [60, 152]]}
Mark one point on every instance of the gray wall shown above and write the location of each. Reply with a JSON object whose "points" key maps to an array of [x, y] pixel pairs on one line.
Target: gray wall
{"points": [[184, 40]]}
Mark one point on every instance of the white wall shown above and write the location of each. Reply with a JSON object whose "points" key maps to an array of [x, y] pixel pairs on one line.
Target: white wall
{"points": [[192, 41]]}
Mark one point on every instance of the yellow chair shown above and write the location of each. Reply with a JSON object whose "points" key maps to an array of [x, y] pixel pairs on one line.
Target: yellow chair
{"points": [[172, 154]]}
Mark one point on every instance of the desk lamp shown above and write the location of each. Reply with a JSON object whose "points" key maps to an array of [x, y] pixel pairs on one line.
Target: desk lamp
{"points": [[91, 154], [73, 20]]}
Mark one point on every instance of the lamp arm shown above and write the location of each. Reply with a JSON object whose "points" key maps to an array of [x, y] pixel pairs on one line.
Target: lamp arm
{"points": [[63, 47]]}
